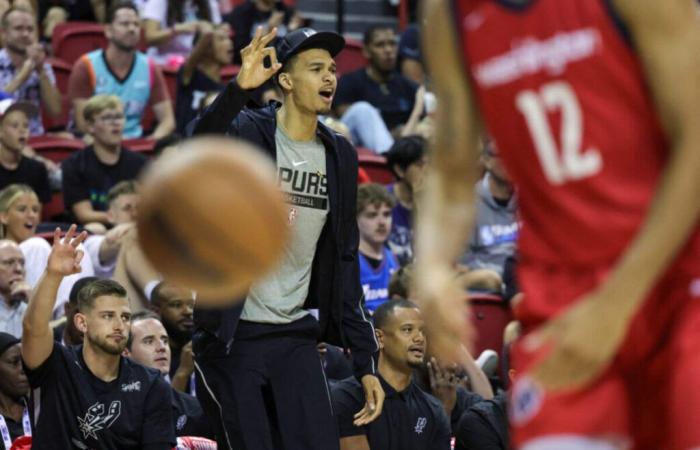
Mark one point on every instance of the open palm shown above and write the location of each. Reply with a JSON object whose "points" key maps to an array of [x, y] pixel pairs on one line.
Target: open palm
{"points": [[65, 256]]}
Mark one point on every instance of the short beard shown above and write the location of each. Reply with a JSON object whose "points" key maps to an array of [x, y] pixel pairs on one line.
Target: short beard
{"points": [[124, 47], [103, 345], [416, 364]]}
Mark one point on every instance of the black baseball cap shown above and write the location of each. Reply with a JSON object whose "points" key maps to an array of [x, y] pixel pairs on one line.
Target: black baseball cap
{"points": [[306, 38], [6, 341]]}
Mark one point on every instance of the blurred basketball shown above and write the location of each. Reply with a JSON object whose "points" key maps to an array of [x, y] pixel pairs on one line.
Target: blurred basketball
{"points": [[212, 218]]}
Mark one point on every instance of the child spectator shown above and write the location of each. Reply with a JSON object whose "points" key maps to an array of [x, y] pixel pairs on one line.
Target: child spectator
{"points": [[170, 25], [24, 72], [14, 134], [200, 76], [377, 262], [89, 174]]}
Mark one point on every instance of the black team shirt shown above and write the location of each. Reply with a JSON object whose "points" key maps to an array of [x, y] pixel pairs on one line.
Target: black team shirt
{"points": [[73, 409], [411, 419]]}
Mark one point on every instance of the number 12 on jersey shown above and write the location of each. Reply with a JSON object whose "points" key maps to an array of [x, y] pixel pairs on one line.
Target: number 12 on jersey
{"points": [[570, 162]]}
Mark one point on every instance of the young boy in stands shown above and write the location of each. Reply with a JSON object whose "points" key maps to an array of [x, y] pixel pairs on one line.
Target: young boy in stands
{"points": [[377, 262], [14, 135], [89, 174]]}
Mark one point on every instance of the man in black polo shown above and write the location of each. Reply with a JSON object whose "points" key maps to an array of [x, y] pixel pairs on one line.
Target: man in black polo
{"points": [[412, 419], [258, 366]]}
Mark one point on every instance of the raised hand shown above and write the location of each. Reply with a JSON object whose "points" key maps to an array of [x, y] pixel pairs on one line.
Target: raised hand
{"points": [[65, 257], [444, 382], [253, 72]]}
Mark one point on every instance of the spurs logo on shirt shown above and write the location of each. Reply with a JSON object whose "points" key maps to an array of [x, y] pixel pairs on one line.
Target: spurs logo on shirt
{"points": [[304, 188], [96, 418], [420, 425]]}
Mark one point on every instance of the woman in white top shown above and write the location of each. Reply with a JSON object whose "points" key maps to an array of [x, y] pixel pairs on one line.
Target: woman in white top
{"points": [[20, 213], [169, 27]]}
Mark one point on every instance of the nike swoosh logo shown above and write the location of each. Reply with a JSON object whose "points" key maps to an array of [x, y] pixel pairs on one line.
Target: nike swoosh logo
{"points": [[298, 163]]}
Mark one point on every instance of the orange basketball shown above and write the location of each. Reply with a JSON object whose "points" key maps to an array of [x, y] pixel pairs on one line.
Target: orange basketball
{"points": [[211, 218]]}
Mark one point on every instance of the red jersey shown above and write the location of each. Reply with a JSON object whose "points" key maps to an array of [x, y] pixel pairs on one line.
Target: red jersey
{"points": [[563, 95]]}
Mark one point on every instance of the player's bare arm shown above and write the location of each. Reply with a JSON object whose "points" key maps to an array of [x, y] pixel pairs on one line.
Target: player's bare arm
{"points": [[666, 36], [64, 260], [446, 209]]}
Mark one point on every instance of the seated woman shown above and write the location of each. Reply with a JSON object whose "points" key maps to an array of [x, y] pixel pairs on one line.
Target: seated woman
{"points": [[20, 213], [169, 27]]}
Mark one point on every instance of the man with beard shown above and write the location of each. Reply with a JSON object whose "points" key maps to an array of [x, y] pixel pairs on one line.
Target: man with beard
{"points": [[24, 72], [14, 419], [258, 361], [122, 70], [175, 305], [379, 87], [412, 419], [90, 396]]}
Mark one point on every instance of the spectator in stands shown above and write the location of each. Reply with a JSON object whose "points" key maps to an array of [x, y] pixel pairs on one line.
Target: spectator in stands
{"points": [[54, 12], [68, 333], [20, 213], [377, 262], [410, 58], [89, 174], [200, 76], [496, 225], [91, 396], [24, 72], [14, 388], [407, 160], [103, 249], [379, 86], [412, 419], [247, 17], [14, 134], [14, 289], [122, 70], [148, 344], [169, 27], [175, 306]]}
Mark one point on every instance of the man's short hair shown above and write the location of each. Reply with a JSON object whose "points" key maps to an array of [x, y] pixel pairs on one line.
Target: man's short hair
{"points": [[370, 30], [98, 288], [122, 188], [116, 6], [75, 290], [373, 194], [98, 103], [4, 22], [405, 151], [382, 315], [137, 317]]}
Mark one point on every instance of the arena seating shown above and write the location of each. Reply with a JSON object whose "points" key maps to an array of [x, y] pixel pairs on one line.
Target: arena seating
{"points": [[61, 70], [351, 58], [71, 40], [375, 166], [490, 315]]}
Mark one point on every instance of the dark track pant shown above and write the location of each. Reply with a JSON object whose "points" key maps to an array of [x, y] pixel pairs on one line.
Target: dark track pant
{"points": [[269, 392]]}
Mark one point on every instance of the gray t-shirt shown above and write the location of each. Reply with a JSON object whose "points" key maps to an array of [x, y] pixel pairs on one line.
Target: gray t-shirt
{"points": [[11, 317], [301, 171]]}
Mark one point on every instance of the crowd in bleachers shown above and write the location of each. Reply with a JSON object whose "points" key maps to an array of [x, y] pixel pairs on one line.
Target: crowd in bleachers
{"points": [[93, 91]]}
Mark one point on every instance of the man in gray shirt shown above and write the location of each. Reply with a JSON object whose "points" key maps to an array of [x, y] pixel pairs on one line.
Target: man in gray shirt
{"points": [[14, 290]]}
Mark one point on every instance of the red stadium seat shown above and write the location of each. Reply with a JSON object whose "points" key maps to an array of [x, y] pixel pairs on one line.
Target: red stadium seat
{"points": [[141, 145], [170, 75], [490, 315], [71, 40], [55, 148], [61, 70], [375, 166], [52, 209], [351, 58]]}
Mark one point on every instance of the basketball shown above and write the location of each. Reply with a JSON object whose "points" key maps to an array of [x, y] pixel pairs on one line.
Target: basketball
{"points": [[212, 218]]}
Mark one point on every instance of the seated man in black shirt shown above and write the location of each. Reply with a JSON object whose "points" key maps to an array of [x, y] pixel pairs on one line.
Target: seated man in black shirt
{"points": [[14, 135], [411, 419], [379, 85], [14, 419], [89, 173], [90, 396], [148, 345]]}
